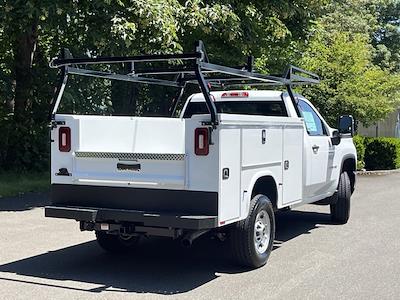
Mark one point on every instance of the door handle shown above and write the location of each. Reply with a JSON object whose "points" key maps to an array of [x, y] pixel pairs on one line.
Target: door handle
{"points": [[315, 148], [128, 167]]}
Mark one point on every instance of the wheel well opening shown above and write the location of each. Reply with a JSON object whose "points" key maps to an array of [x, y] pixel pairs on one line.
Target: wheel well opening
{"points": [[349, 166], [266, 185]]}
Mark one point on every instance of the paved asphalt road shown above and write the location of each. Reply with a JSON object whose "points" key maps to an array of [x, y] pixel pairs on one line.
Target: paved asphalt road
{"points": [[50, 259]]}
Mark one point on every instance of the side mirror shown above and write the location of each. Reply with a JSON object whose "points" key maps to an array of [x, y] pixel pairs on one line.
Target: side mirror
{"points": [[335, 139], [346, 125]]}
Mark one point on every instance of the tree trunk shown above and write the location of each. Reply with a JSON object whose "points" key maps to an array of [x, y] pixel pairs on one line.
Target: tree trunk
{"points": [[9, 102], [24, 49]]}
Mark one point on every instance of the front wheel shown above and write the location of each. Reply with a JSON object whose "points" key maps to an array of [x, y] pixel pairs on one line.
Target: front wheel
{"points": [[116, 243], [252, 239], [340, 211]]}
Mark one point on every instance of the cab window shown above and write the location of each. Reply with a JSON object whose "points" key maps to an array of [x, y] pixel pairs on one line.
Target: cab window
{"points": [[313, 123], [255, 108]]}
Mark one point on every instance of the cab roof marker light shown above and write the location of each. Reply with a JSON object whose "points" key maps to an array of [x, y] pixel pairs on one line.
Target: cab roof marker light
{"points": [[235, 95]]}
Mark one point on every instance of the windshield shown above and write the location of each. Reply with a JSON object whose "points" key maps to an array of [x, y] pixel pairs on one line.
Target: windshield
{"points": [[261, 108]]}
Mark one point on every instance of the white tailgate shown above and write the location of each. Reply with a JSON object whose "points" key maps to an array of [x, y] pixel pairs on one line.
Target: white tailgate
{"points": [[102, 146]]}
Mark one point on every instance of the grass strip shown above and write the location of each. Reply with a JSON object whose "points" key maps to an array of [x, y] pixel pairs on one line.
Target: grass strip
{"points": [[14, 184]]}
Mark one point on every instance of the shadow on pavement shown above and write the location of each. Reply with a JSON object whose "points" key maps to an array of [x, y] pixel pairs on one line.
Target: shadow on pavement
{"points": [[290, 224], [159, 266], [24, 202]]}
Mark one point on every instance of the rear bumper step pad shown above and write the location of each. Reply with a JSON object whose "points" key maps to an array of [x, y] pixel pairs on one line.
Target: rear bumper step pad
{"points": [[183, 202], [96, 215]]}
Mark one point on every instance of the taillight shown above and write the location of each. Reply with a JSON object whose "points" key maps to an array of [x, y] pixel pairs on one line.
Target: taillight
{"points": [[201, 145], [64, 139]]}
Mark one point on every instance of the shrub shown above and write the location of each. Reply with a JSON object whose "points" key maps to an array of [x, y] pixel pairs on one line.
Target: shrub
{"points": [[382, 153], [359, 143], [24, 147]]}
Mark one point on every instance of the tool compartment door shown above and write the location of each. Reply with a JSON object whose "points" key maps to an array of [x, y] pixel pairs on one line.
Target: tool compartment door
{"points": [[292, 168], [229, 175]]}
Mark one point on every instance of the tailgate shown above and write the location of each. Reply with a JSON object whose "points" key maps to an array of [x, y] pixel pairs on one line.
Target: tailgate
{"points": [[120, 151]]}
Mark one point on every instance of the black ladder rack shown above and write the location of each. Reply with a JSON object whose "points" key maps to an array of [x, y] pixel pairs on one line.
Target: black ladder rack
{"points": [[187, 68]]}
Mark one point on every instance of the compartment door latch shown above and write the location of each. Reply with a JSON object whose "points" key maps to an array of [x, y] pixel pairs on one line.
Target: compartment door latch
{"points": [[286, 164], [225, 173]]}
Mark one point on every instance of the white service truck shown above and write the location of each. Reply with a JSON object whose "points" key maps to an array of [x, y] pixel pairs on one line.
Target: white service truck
{"points": [[224, 165]]}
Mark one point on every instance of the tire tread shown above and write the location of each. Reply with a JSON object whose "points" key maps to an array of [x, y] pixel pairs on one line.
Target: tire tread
{"points": [[340, 211], [242, 236]]}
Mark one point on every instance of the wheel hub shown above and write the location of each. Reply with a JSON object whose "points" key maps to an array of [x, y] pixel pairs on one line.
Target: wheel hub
{"points": [[262, 232]]}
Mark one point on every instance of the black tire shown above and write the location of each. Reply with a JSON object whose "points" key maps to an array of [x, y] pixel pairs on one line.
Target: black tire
{"points": [[340, 211], [243, 233], [116, 243]]}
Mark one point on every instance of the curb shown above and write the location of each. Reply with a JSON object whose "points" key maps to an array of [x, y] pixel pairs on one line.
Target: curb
{"points": [[378, 172]]}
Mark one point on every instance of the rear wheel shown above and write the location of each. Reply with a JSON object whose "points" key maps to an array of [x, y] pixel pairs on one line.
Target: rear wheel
{"points": [[116, 243], [340, 211], [252, 238]]}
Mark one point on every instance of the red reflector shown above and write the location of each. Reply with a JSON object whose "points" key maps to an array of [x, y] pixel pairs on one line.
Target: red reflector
{"points": [[64, 139], [201, 146], [235, 95]]}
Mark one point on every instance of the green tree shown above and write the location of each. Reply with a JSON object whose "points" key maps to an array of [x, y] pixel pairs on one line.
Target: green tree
{"points": [[34, 31], [386, 39], [342, 52]]}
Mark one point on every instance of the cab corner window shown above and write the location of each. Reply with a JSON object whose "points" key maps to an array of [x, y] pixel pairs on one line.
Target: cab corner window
{"points": [[312, 121]]}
